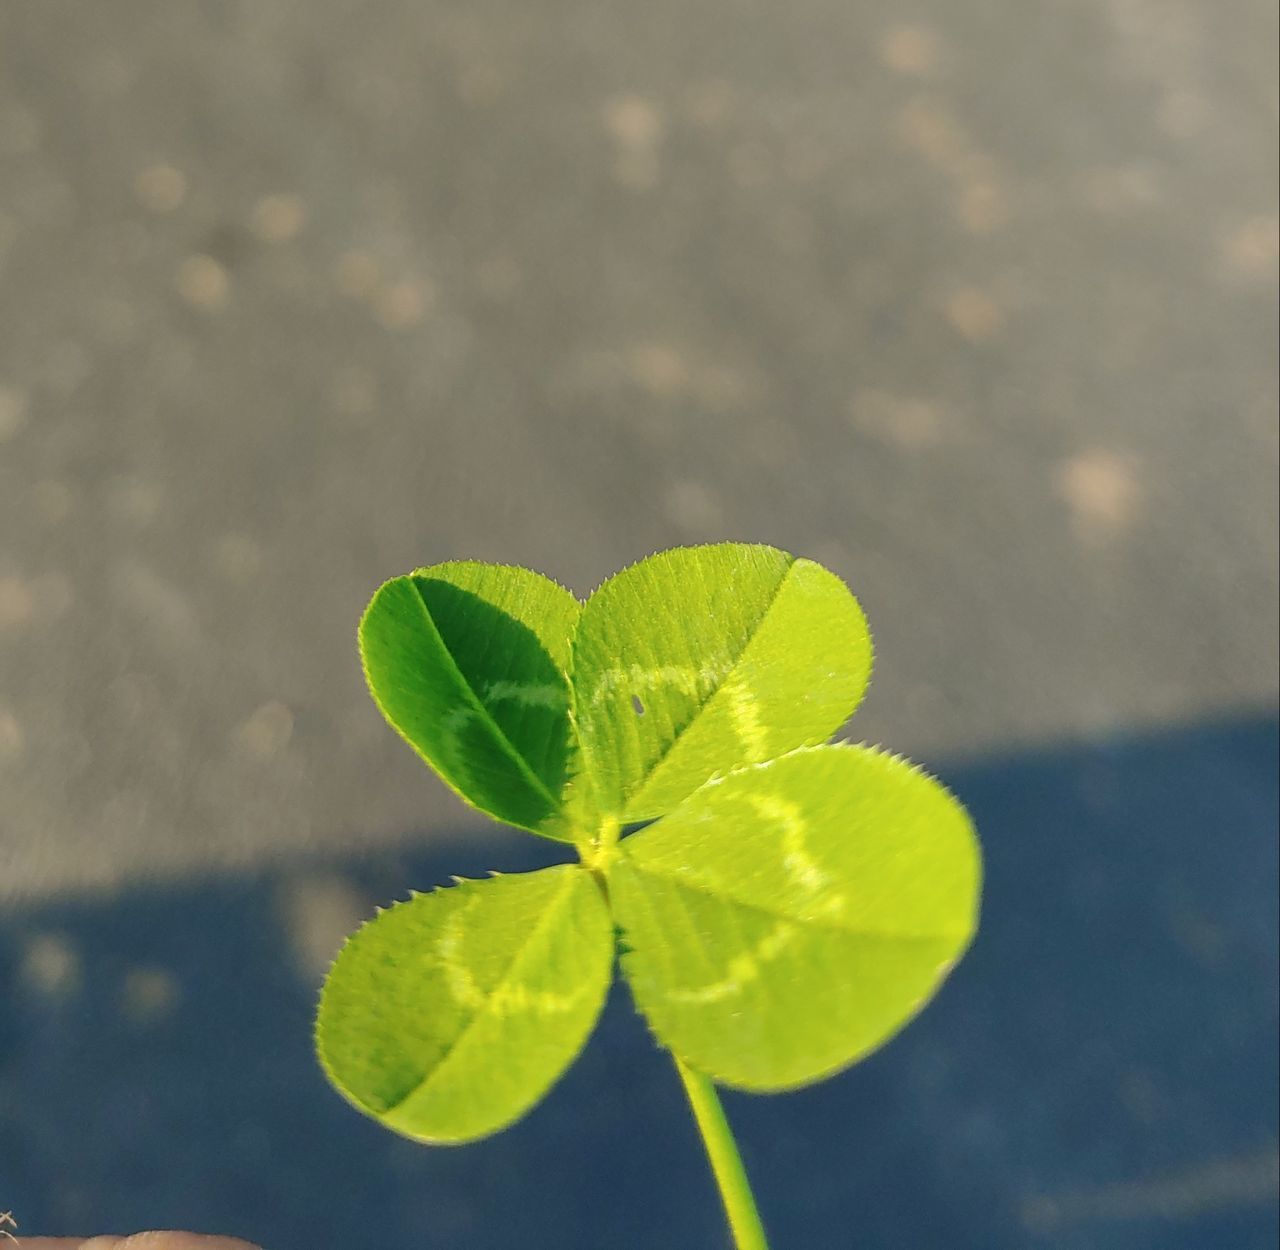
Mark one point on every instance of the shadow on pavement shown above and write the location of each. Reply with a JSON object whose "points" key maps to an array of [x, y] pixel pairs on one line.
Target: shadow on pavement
{"points": [[1101, 1069]]}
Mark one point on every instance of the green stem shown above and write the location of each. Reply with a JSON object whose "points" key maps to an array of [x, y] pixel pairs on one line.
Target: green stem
{"points": [[726, 1163]]}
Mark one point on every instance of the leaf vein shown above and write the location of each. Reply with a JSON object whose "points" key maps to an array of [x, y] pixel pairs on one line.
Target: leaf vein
{"points": [[482, 711], [724, 897]]}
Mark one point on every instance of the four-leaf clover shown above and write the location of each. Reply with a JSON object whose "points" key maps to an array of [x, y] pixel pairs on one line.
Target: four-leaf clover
{"points": [[788, 906]]}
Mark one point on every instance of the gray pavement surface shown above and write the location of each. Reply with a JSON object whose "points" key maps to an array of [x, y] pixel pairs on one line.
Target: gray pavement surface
{"points": [[973, 302]]}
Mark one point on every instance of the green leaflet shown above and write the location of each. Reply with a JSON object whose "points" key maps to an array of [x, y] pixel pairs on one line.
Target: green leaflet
{"points": [[447, 1017], [701, 659], [787, 920], [468, 662]]}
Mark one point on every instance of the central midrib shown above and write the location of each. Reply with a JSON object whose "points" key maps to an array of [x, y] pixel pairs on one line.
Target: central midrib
{"points": [[450, 1052], [506, 744]]}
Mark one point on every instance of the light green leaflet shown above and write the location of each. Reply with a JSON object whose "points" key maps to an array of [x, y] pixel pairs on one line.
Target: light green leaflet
{"points": [[448, 1016], [735, 654], [782, 923], [794, 905]]}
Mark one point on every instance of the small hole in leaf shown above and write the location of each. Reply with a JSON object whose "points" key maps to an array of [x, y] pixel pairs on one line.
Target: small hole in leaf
{"points": [[635, 703]]}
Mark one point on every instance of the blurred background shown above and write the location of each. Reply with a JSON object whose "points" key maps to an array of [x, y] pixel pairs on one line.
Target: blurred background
{"points": [[973, 302]]}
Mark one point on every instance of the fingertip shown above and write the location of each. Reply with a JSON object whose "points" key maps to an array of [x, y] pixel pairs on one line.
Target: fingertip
{"points": [[152, 1241]]}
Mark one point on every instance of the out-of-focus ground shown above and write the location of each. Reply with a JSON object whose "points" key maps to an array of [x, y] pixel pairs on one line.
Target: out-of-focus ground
{"points": [[1098, 1071], [975, 303]]}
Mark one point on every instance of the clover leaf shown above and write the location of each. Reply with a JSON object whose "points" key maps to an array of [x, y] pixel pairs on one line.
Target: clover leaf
{"points": [[785, 921], [449, 1015], [789, 909], [469, 663], [699, 660]]}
